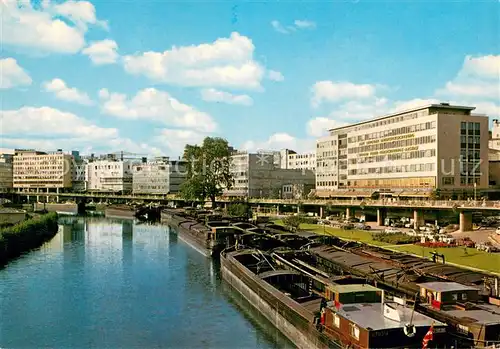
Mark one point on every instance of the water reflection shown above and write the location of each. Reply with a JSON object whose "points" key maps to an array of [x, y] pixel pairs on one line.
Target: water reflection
{"points": [[111, 283]]}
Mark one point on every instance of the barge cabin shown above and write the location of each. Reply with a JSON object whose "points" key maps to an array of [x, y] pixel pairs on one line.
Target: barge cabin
{"points": [[361, 318], [473, 323]]}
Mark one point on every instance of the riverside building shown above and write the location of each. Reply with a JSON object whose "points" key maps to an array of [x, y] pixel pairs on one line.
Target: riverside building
{"points": [[409, 153], [292, 160], [109, 175], [160, 176], [35, 170], [260, 175], [6, 174]]}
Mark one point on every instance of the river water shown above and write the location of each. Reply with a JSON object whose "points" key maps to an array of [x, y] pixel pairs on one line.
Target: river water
{"points": [[103, 283]]}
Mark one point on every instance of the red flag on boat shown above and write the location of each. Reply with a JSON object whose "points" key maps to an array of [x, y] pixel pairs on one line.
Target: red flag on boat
{"points": [[428, 337]]}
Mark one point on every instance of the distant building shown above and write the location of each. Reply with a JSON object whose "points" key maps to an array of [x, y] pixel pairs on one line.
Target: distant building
{"points": [[292, 160], [437, 146], [79, 172], [109, 175], [6, 173], [296, 190], [494, 141], [35, 170], [259, 175], [161, 176]]}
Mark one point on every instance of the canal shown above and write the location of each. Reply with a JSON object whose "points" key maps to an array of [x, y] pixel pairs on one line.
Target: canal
{"points": [[103, 283]]}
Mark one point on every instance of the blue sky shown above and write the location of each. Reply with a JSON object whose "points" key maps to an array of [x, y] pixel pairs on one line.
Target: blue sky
{"points": [[150, 76]]}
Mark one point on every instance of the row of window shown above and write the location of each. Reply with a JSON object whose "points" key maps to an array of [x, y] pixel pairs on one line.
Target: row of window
{"points": [[394, 132], [392, 157], [394, 169], [394, 144], [391, 120]]}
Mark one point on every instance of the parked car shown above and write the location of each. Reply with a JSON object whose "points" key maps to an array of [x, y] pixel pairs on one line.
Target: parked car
{"points": [[362, 226], [392, 231], [487, 247]]}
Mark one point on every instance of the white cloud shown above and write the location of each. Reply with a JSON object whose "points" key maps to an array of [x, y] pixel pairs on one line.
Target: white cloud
{"points": [[297, 25], [331, 91], [472, 89], [12, 75], [47, 121], [225, 62], [213, 95], [279, 141], [175, 140], [482, 67], [319, 126], [70, 94], [275, 75], [156, 105], [304, 24], [103, 93], [102, 52], [399, 106], [51, 28]]}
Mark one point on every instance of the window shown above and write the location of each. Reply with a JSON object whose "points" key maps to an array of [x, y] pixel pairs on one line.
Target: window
{"points": [[448, 180], [336, 320], [454, 296], [464, 296], [355, 331]]}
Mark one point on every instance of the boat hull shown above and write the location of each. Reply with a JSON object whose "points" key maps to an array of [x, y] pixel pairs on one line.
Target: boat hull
{"points": [[112, 212], [277, 308]]}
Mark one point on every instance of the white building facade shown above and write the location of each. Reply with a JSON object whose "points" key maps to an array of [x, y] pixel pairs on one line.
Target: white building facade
{"points": [[297, 161], [109, 175], [432, 147], [160, 176]]}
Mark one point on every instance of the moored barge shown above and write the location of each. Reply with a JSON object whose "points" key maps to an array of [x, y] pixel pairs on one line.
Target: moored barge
{"points": [[121, 211]]}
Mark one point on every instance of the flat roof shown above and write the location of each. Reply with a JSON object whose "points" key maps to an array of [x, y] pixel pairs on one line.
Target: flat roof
{"points": [[446, 286], [371, 315], [443, 106], [353, 288], [473, 316]]}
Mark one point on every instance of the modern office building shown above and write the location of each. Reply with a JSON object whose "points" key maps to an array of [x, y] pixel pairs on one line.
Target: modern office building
{"points": [[79, 172], [292, 160], [6, 173], [258, 175], [436, 146], [160, 176], [34, 170], [109, 175]]}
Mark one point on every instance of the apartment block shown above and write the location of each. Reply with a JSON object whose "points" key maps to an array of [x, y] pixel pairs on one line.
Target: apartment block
{"points": [[6, 173], [109, 175], [34, 170], [259, 175], [437, 146], [160, 176], [292, 160]]}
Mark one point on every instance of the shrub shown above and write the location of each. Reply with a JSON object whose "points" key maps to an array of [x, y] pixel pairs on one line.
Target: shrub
{"points": [[26, 235], [395, 239], [239, 210]]}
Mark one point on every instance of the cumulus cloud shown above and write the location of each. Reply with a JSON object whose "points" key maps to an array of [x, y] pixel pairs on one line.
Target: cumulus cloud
{"points": [[12, 75], [70, 94], [155, 105], [176, 139], [279, 141], [479, 78], [334, 91], [298, 24], [319, 126], [52, 27], [47, 121], [102, 52], [226, 62], [275, 75], [213, 95]]}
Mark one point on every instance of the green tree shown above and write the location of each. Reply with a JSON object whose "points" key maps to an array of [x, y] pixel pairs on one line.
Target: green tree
{"points": [[239, 210], [208, 171], [292, 222]]}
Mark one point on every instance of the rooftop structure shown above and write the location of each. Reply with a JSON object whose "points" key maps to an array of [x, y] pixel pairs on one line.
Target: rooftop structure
{"points": [[440, 286]]}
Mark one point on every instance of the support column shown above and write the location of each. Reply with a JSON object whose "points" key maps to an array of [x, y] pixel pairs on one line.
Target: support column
{"points": [[418, 219], [321, 212], [277, 210], [47, 198], [348, 213], [465, 221], [57, 197], [381, 217], [298, 209], [37, 196]]}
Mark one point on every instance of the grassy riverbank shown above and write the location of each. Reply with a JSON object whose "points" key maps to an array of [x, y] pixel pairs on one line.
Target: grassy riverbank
{"points": [[26, 235], [469, 257]]}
